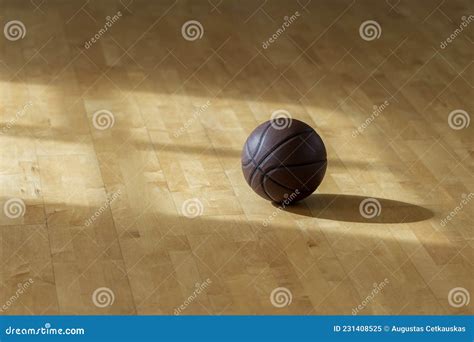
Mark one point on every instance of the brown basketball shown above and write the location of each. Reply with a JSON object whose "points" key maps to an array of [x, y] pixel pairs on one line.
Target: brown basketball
{"points": [[284, 161]]}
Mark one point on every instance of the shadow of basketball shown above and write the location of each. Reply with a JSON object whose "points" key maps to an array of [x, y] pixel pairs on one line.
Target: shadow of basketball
{"points": [[352, 208]]}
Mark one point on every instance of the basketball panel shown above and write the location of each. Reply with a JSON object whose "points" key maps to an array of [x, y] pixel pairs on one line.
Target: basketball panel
{"points": [[296, 151], [255, 142], [303, 177]]}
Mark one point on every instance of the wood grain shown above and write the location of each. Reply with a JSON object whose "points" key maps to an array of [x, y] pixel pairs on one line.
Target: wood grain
{"points": [[103, 208]]}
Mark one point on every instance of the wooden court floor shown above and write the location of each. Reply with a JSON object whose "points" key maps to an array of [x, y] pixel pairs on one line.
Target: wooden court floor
{"points": [[120, 182]]}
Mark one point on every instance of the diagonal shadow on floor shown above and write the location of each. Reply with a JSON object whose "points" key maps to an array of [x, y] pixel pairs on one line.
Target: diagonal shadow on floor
{"points": [[351, 208]]}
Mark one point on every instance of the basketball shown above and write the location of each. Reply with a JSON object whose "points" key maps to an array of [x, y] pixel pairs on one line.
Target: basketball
{"points": [[284, 160]]}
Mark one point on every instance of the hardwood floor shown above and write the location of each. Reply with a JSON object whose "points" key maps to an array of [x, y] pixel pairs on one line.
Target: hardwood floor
{"points": [[120, 175]]}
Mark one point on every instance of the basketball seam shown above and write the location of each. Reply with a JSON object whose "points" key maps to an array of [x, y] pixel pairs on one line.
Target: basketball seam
{"points": [[262, 185], [261, 140], [258, 145], [278, 183], [274, 150], [265, 175], [265, 189], [295, 165], [251, 158]]}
